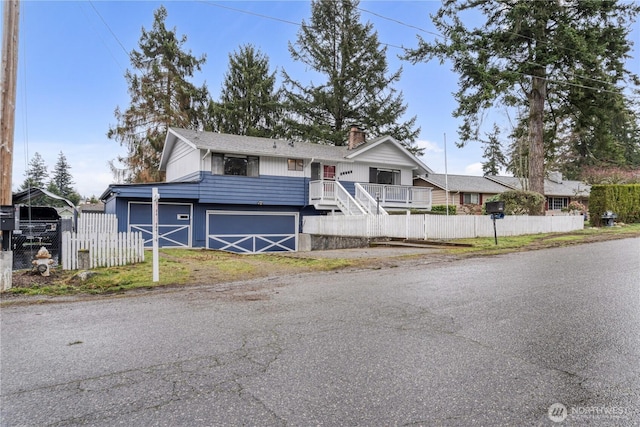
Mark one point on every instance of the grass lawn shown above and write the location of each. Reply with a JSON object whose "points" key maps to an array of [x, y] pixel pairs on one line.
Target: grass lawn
{"points": [[182, 267]]}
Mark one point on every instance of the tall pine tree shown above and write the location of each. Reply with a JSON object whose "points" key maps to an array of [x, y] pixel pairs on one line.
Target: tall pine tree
{"points": [[494, 158], [357, 88], [36, 174], [62, 182], [161, 96], [537, 56], [249, 103]]}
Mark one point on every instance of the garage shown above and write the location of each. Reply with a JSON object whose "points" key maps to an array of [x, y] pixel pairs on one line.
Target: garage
{"points": [[252, 232], [174, 223]]}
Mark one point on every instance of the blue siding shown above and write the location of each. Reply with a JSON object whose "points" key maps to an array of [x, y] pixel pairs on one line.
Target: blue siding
{"points": [[191, 177], [173, 190], [350, 186], [270, 190]]}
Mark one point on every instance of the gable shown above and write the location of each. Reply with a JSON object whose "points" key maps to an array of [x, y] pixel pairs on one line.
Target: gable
{"points": [[385, 150], [385, 154]]}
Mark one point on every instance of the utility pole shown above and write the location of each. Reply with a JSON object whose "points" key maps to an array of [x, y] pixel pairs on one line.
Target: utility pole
{"points": [[8, 82]]}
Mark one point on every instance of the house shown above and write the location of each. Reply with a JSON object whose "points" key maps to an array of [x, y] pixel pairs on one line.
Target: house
{"points": [[463, 190], [558, 191], [466, 191], [248, 194]]}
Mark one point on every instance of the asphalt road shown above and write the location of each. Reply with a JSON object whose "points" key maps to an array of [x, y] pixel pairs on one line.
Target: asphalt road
{"points": [[518, 339]]}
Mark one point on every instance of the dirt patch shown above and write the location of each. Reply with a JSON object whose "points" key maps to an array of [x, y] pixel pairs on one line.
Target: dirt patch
{"points": [[31, 278]]}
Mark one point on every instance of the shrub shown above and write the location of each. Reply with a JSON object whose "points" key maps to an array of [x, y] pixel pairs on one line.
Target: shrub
{"points": [[472, 209], [520, 202], [442, 209], [576, 206], [623, 200]]}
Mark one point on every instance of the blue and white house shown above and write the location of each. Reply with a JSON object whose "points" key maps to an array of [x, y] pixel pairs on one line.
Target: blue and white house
{"points": [[248, 194]]}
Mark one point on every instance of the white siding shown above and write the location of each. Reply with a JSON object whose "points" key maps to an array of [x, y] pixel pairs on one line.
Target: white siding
{"points": [[386, 154], [183, 160], [352, 172], [406, 177], [359, 172], [278, 166]]}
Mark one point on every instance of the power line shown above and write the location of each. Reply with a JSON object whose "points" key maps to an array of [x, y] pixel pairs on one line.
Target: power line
{"points": [[101, 38], [109, 28], [486, 50], [394, 20]]}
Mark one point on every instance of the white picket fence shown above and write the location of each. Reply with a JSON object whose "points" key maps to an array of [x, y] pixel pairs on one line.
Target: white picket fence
{"points": [[97, 234], [437, 226], [97, 223]]}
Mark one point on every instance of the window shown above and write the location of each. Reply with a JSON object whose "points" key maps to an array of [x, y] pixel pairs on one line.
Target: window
{"points": [[235, 165], [295, 164], [329, 172], [558, 203], [470, 199], [384, 176]]}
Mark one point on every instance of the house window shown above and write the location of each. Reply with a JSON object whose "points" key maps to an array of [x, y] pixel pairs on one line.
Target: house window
{"points": [[470, 198], [384, 176], [235, 165], [329, 172], [558, 203], [295, 164]]}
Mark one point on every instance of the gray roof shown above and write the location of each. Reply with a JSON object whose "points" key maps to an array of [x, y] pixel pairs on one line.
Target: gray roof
{"points": [[251, 145], [566, 188], [465, 183], [257, 146], [498, 184]]}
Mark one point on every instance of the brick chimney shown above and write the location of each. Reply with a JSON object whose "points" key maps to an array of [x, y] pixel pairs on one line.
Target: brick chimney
{"points": [[356, 137]]}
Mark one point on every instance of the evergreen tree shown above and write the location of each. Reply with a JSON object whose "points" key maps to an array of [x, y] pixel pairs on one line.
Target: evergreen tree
{"points": [[357, 89], [161, 97], [36, 174], [553, 59], [493, 153], [62, 182], [248, 105]]}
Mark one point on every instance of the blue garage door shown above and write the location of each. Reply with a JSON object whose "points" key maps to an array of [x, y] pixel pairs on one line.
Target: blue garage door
{"points": [[251, 232], [174, 223]]}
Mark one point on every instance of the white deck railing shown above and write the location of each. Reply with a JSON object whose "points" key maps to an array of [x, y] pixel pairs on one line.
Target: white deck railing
{"points": [[397, 196], [371, 205], [331, 192], [400, 195]]}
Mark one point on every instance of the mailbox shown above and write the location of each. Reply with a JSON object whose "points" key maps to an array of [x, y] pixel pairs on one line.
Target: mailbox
{"points": [[7, 218], [494, 207]]}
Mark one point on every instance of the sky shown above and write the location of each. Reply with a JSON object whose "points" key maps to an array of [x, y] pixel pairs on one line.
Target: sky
{"points": [[73, 57]]}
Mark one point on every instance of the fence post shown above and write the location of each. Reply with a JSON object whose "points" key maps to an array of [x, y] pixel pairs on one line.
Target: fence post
{"points": [[84, 259]]}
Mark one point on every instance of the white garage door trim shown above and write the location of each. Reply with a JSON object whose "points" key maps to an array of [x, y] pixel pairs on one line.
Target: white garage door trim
{"points": [[231, 242], [164, 230]]}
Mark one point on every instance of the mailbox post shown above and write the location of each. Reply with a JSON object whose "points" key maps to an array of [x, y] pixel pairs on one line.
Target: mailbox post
{"points": [[496, 209]]}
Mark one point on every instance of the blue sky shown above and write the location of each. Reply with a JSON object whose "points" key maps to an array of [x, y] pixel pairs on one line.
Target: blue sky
{"points": [[73, 56]]}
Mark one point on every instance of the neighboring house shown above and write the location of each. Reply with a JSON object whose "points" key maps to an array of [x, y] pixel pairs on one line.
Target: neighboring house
{"points": [[558, 192], [248, 194], [91, 208], [463, 190], [466, 191]]}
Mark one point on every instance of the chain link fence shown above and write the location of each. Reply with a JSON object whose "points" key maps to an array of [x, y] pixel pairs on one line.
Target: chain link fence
{"points": [[35, 234]]}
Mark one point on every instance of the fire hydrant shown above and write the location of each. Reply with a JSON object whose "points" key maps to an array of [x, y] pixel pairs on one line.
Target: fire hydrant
{"points": [[43, 261]]}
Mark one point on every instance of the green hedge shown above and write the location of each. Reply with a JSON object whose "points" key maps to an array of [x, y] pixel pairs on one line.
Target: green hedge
{"points": [[519, 202], [442, 209], [621, 199]]}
